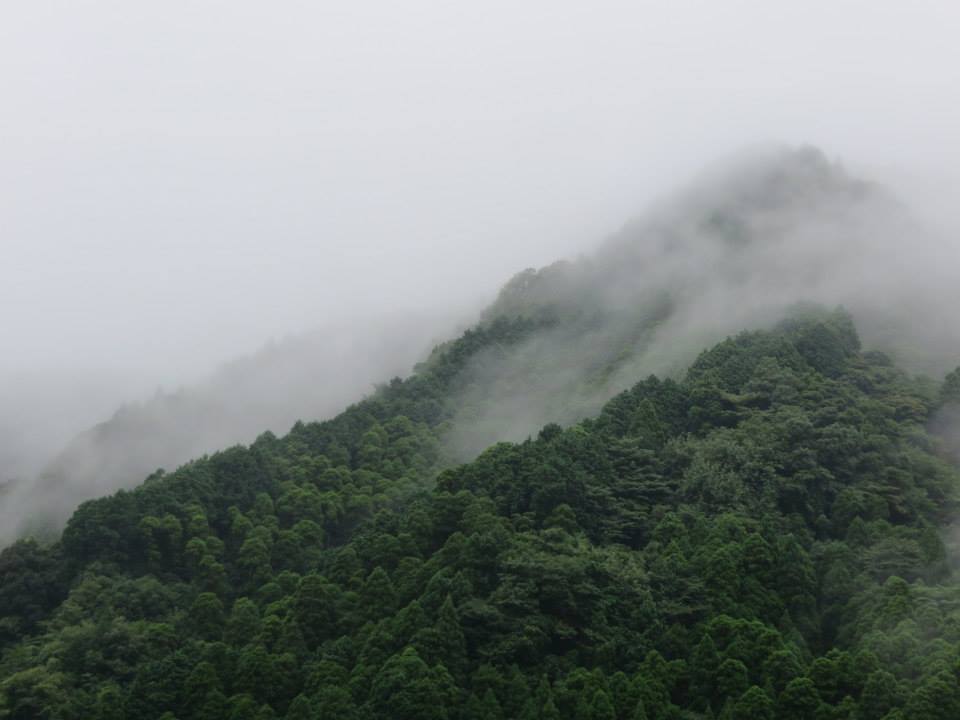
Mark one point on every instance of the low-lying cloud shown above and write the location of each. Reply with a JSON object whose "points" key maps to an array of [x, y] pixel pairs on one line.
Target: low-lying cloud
{"points": [[750, 239]]}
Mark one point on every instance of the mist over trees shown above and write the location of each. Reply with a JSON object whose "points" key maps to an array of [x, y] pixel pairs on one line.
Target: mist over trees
{"points": [[307, 376], [710, 473], [385, 361], [750, 239], [757, 540], [740, 246]]}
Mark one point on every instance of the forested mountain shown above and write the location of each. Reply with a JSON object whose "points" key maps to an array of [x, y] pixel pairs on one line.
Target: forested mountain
{"points": [[736, 249], [764, 538], [767, 533]]}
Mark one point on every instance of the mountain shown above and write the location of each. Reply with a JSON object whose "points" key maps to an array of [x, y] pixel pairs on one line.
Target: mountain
{"points": [[738, 248], [765, 530]]}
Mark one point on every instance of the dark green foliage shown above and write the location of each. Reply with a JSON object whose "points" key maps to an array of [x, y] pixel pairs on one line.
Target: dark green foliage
{"points": [[762, 539]]}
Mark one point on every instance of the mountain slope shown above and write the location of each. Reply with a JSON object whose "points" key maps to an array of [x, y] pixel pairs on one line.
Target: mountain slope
{"points": [[765, 530], [760, 539], [737, 248], [313, 375]]}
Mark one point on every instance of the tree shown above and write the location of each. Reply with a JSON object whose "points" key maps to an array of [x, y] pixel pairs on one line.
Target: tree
{"points": [[601, 708], [444, 642], [703, 670], [406, 689], [799, 700], [879, 697], [754, 704], [313, 610], [206, 616], [937, 697], [244, 622], [378, 595], [731, 679], [200, 684]]}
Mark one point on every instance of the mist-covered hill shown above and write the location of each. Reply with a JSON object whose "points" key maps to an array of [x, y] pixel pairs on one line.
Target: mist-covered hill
{"points": [[737, 248], [312, 375], [763, 539], [765, 528]]}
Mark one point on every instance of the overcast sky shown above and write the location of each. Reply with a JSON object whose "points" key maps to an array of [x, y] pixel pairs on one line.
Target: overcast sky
{"points": [[181, 180]]}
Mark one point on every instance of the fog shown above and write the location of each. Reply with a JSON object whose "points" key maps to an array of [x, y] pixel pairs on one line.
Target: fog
{"points": [[182, 182], [750, 242], [311, 375]]}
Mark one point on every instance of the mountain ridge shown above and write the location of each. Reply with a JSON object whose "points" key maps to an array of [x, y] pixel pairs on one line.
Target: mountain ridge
{"points": [[686, 515], [776, 224], [766, 533]]}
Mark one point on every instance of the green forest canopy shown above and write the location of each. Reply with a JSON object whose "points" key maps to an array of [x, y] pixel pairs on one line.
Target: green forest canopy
{"points": [[765, 538]]}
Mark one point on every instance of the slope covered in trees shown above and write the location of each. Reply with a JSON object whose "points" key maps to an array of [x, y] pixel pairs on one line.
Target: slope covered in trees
{"points": [[300, 376], [765, 537], [734, 249]]}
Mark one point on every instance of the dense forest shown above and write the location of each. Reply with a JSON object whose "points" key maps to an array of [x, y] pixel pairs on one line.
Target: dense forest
{"points": [[732, 250], [768, 536]]}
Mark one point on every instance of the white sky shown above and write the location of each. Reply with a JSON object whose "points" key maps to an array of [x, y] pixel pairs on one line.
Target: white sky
{"points": [[181, 180]]}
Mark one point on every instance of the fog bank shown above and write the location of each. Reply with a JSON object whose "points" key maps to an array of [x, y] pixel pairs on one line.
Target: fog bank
{"points": [[738, 249]]}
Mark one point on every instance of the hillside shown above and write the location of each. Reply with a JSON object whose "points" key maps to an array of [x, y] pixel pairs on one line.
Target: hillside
{"points": [[301, 376], [736, 248], [763, 538], [663, 480]]}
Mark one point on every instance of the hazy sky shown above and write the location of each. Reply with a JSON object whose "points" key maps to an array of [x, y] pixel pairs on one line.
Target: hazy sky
{"points": [[180, 181]]}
